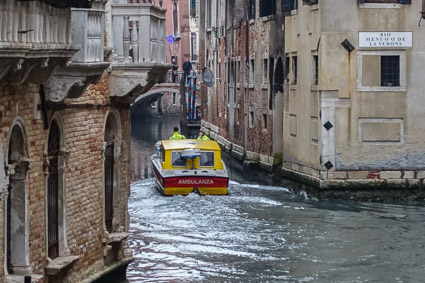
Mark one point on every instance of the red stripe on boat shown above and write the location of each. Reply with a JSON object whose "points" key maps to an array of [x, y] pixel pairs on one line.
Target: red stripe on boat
{"points": [[196, 182]]}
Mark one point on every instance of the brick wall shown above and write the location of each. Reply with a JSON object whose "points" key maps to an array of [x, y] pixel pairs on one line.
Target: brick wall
{"points": [[83, 130]]}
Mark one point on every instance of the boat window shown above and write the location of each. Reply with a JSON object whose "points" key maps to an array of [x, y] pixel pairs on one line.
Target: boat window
{"points": [[206, 159], [162, 154], [177, 160]]}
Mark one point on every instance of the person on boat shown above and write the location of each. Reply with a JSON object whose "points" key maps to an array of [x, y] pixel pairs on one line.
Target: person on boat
{"points": [[176, 135], [202, 136]]}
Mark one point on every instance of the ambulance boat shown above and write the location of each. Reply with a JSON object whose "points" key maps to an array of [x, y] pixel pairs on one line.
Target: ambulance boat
{"points": [[185, 166]]}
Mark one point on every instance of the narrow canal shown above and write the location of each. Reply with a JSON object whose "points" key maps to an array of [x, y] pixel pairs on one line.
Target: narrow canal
{"points": [[261, 233]]}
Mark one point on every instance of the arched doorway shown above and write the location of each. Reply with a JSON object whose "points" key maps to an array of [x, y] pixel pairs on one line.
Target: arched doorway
{"points": [[112, 144], [17, 223]]}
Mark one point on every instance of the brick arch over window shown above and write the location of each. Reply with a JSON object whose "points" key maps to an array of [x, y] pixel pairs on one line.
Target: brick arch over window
{"points": [[17, 222], [111, 173], [55, 190]]}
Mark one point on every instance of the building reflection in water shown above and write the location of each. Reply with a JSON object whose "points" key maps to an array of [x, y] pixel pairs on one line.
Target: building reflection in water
{"points": [[145, 132]]}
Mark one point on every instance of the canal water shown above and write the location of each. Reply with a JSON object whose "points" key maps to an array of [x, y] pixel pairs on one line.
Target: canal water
{"points": [[261, 233]]}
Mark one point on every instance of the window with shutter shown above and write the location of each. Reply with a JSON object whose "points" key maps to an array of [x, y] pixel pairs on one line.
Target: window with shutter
{"points": [[289, 5], [267, 7], [251, 9]]}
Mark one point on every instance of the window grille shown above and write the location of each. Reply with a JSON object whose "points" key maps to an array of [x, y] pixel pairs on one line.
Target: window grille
{"points": [[390, 70]]}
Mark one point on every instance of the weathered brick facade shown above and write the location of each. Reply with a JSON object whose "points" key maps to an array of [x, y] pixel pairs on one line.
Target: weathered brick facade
{"points": [[65, 139], [83, 126], [242, 107]]}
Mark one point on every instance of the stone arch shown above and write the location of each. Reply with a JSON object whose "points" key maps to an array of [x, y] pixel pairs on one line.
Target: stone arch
{"points": [[55, 189], [111, 172], [17, 216]]}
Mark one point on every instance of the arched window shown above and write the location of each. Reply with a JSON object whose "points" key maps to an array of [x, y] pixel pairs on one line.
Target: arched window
{"points": [[17, 223], [111, 172], [175, 18], [53, 191], [56, 208]]}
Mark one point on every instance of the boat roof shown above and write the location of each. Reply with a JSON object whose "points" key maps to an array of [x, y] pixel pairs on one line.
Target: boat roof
{"points": [[190, 143]]}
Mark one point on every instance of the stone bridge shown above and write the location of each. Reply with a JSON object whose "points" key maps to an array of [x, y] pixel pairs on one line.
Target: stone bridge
{"points": [[159, 89]]}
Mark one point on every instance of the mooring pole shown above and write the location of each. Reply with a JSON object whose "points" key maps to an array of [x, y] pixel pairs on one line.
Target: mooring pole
{"points": [[194, 98], [189, 99]]}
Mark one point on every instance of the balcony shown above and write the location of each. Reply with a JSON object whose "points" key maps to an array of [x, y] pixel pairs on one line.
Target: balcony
{"points": [[87, 65], [139, 49], [34, 39], [37, 42]]}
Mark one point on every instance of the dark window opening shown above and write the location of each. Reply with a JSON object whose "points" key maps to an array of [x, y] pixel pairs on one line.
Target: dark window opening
{"points": [[289, 5], [294, 70], [267, 7], [390, 70], [53, 192], [206, 159], [175, 19], [193, 8], [177, 160], [251, 9], [109, 186]]}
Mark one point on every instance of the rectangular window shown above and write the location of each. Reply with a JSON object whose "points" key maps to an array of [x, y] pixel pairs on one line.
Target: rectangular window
{"points": [[175, 19], [390, 70], [238, 71], [315, 70], [267, 7], [251, 72], [174, 98], [289, 5], [193, 8], [208, 18], [264, 121], [206, 159], [265, 71], [251, 119], [381, 71], [251, 9], [177, 160], [294, 70], [194, 46]]}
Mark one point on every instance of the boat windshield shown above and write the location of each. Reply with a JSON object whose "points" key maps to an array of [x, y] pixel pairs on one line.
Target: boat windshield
{"points": [[206, 159], [177, 160]]}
